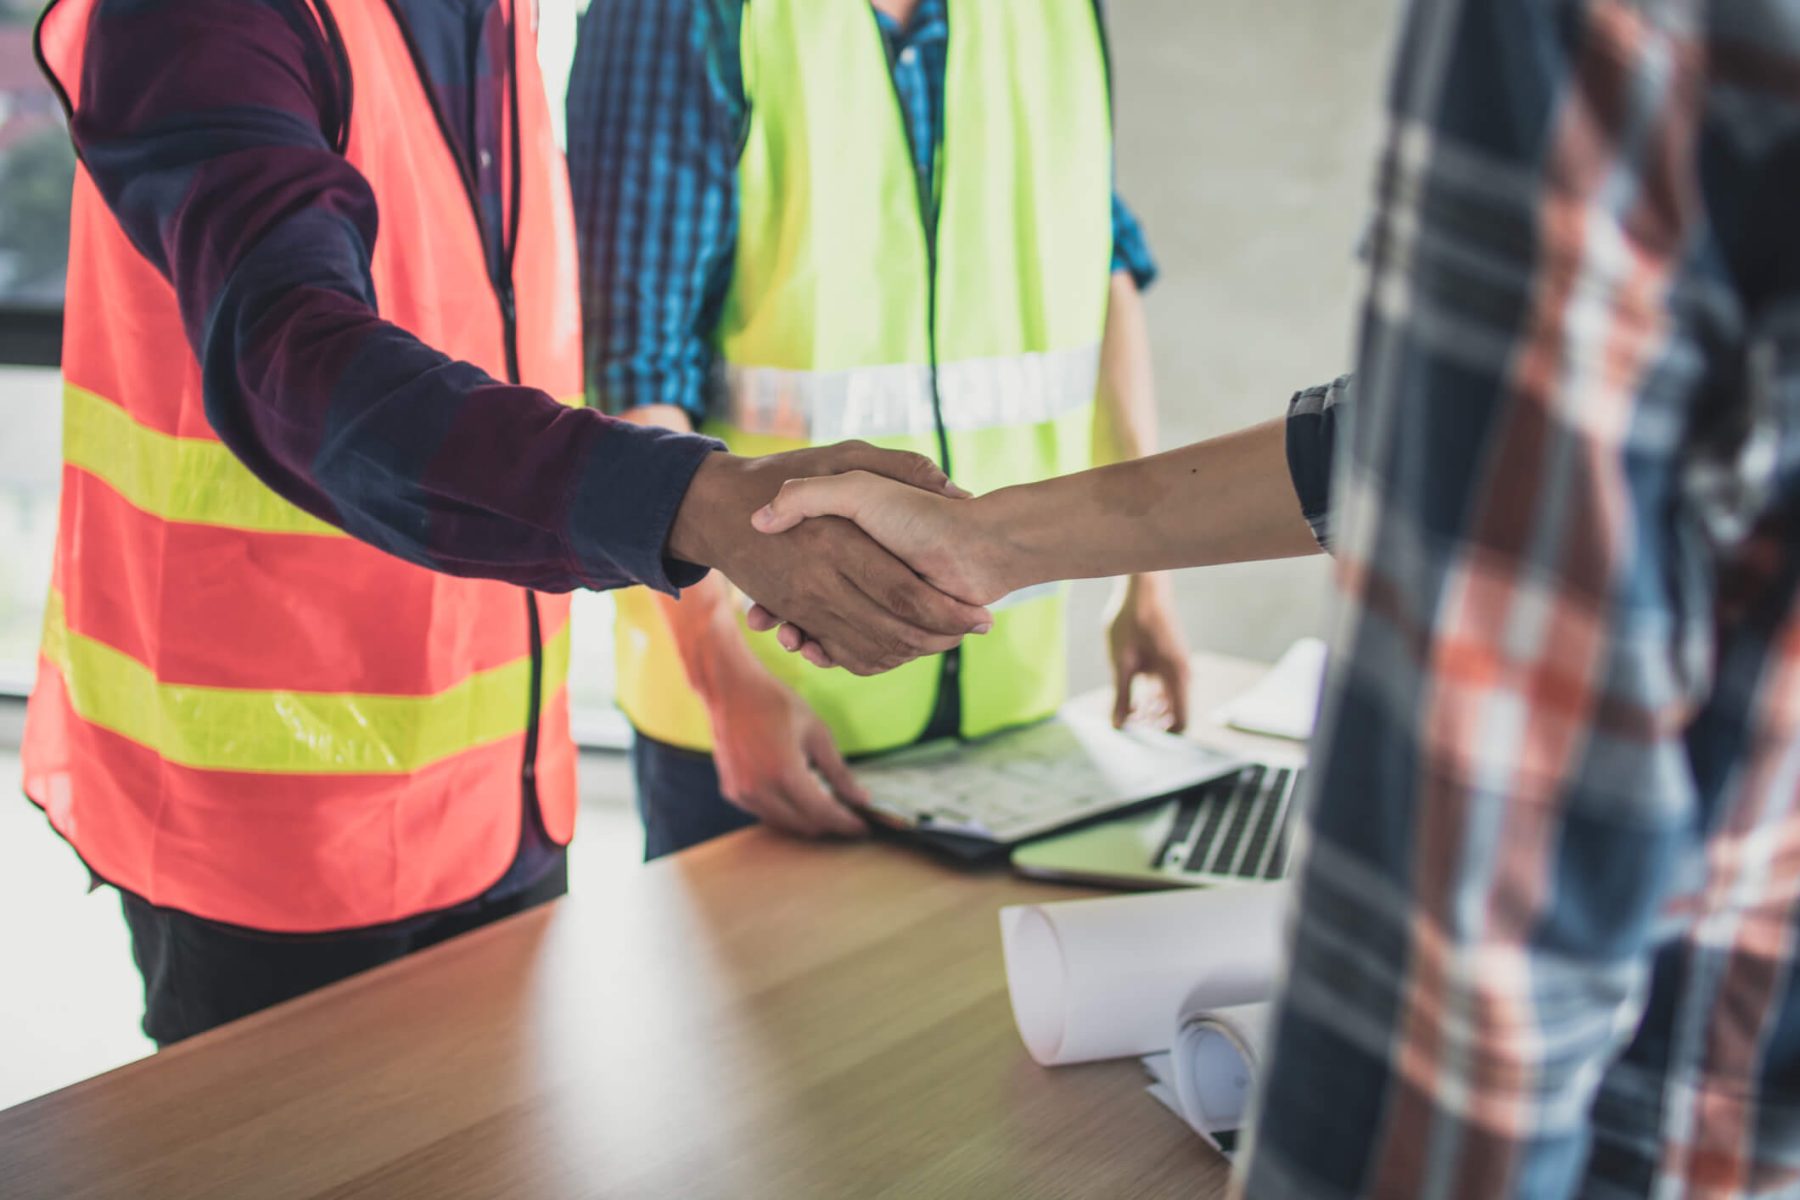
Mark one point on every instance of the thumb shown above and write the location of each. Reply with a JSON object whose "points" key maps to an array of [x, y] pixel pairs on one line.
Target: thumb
{"points": [[824, 496], [827, 760]]}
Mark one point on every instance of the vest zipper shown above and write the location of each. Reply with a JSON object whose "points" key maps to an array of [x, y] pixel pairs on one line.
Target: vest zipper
{"points": [[946, 709], [509, 315], [502, 284], [528, 772]]}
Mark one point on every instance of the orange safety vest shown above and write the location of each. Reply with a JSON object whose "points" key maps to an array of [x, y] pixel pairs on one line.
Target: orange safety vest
{"points": [[241, 712]]}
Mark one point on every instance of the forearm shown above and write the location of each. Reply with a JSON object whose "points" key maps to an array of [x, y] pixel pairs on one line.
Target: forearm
{"points": [[334, 407], [703, 622], [1125, 396], [1125, 426], [215, 154], [1227, 499]]}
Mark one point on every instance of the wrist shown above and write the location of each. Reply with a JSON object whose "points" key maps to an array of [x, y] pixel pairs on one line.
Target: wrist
{"points": [[1005, 529], [1148, 590], [718, 658], [694, 534]]}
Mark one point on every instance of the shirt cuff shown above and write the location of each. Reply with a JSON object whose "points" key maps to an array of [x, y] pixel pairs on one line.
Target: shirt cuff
{"points": [[1131, 249], [1311, 442], [617, 388], [625, 504]]}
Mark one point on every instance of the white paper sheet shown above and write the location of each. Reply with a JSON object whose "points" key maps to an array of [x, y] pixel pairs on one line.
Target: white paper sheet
{"points": [[1096, 979], [1284, 702]]}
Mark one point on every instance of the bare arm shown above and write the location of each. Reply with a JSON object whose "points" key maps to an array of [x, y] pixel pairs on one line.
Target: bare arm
{"points": [[1143, 635], [1125, 412], [1227, 499]]}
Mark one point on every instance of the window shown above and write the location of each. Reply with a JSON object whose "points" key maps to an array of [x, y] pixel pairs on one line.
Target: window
{"points": [[37, 168]]}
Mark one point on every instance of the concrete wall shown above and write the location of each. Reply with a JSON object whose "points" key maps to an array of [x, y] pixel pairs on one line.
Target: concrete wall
{"points": [[1246, 136]]}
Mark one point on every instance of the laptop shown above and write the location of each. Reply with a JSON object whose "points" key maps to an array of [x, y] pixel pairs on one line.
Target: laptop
{"points": [[1232, 829]]}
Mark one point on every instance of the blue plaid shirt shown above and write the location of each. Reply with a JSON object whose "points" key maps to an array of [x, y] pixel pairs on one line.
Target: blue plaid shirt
{"points": [[656, 120], [1549, 907]]}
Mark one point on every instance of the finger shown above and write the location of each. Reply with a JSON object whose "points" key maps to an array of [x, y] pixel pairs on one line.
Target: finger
{"points": [[895, 587], [760, 619], [830, 763], [1122, 677], [878, 639], [815, 654], [874, 614], [755, 804], [772, 801], [1175, 690], [1125, 671], [779, 812], [791, 637], [819, 807], [868, 610], [821, 496], [913, 469]]}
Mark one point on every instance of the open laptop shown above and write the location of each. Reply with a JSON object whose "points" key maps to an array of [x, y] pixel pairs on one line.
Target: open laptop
{"points": [[1230, 830]]}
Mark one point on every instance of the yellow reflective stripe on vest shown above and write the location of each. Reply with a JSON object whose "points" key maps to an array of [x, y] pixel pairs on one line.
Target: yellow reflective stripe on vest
{"points": [[194, 480], [895, 400], [292, 732]]}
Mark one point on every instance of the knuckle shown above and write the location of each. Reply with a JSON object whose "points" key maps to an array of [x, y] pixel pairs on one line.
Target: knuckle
{"points": [[902, 600]]}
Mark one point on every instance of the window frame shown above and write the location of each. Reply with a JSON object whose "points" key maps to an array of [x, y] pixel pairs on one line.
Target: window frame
{"points": [[30, 335]]}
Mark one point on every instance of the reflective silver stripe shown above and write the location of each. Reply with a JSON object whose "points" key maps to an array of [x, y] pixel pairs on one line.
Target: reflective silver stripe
{"points": [[826, 406], [895, 400], [979, 393]]}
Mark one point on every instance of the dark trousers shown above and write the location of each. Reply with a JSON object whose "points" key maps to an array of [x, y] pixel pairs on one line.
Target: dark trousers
{"points": [[199, 973], [679, 799]]}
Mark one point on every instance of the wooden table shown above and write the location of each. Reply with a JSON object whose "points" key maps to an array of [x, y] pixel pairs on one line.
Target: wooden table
{"points": [[754, 1018]]}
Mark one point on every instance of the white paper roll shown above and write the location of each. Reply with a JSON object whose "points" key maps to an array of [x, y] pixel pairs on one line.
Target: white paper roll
{"points": [[1215, 1061], [1095, 979]]}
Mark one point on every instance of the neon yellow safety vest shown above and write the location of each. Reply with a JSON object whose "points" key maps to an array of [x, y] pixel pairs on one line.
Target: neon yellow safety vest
{"points": [[847, 318]]}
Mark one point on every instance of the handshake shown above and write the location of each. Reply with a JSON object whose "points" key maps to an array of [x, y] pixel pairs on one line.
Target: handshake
{"points": [[865, 558]]}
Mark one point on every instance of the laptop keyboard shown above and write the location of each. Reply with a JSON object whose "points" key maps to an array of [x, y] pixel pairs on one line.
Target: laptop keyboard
{"points": [[1235, 826]]}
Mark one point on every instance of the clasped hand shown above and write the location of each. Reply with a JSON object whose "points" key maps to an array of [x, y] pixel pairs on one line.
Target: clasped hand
{"points": [[863, 609], [974, 551]]}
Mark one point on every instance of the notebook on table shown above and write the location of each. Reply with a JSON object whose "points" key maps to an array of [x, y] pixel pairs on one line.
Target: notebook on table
{"points": [[1024, 783]]}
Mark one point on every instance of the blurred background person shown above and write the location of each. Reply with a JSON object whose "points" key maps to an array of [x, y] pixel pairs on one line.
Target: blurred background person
{"points": [[801, 222]]}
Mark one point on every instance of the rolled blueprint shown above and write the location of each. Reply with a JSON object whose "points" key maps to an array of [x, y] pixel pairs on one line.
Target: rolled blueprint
{"points": [[1095, 979], [1215, 1061]]}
